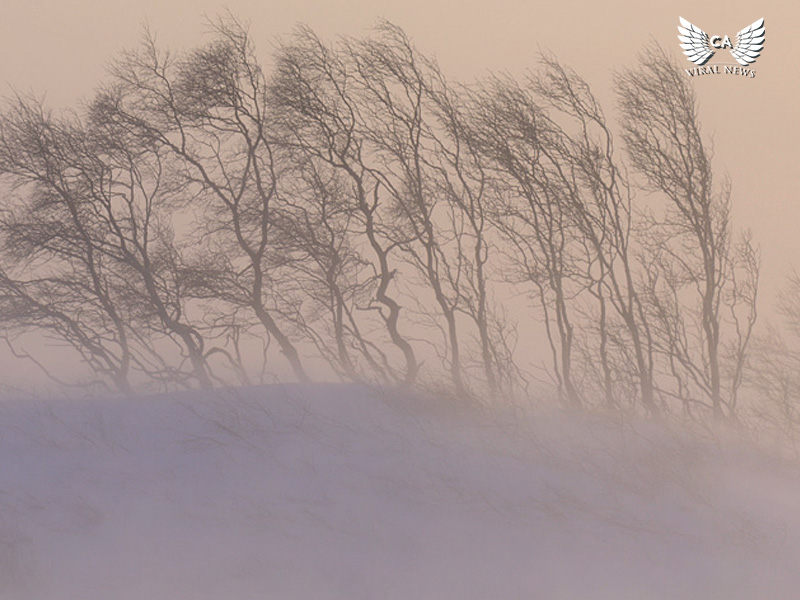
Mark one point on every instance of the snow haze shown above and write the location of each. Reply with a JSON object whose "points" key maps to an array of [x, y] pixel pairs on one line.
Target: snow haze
{"points": [[315, 492]]}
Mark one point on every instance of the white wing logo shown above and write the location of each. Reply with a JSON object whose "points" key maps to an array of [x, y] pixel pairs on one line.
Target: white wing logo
{"points": [[696, 44], [699, 47], [749, 43]]}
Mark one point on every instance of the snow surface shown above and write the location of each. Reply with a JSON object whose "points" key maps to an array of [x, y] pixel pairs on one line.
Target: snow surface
{"points": [[316, 492]]}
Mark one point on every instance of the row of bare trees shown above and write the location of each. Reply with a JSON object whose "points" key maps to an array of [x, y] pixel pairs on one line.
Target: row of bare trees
{"points": [[203, 221]]}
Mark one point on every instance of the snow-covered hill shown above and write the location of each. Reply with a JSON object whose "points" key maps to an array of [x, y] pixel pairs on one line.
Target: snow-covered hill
{"points": [[317, 492]]}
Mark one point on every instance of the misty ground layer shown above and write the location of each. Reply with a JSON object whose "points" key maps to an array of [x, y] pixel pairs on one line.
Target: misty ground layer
{"points": [[314, 492]]}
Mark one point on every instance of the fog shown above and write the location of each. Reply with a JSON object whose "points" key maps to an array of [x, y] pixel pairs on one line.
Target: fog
{"points": [[534, 279], [62, 52], [303, 492]]}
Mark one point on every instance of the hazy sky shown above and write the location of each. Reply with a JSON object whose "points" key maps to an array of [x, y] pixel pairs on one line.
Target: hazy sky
{"points": [[61, 48]]}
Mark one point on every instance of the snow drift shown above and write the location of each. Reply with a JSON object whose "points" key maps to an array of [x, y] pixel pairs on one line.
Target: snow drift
{"points": [[315, 492]]}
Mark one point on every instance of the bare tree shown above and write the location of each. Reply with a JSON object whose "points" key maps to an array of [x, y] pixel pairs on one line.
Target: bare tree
{"points": [[88, 224], [383, 116], [355, 200], [691, 252], [208, 113], [530, 211], [330, 276], [320, 120], [393, 80], [599, 203]]}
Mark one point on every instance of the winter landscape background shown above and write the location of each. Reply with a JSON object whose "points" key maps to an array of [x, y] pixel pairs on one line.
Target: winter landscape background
{"points": [[305, 301]]}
